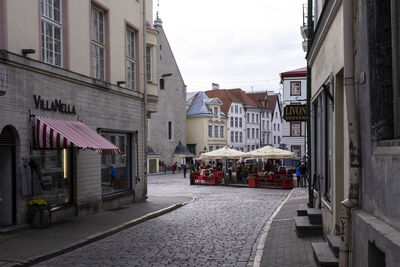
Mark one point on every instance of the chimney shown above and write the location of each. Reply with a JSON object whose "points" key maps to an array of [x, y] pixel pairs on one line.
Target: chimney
{"points": [[215, 86]]}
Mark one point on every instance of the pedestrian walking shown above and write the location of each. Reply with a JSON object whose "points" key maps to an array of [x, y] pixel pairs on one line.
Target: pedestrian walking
{"points": [[163, 167], [173, 168], [184, 170], [298, 176]]}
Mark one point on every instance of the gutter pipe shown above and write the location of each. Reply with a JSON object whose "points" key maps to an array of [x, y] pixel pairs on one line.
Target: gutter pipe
{"points": [[352, 202], [145, 99]]}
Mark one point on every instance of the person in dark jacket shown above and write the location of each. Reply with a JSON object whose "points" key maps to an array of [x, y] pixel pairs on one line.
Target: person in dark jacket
{"points": [[303, 172]]}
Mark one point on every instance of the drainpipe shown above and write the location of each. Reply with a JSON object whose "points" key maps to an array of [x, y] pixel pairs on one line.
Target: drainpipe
{"points": [[310, 29], [348, 205], [145, 99]]}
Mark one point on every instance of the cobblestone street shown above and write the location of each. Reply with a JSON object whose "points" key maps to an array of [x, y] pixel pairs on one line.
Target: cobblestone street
{"points": [[220, 227]]}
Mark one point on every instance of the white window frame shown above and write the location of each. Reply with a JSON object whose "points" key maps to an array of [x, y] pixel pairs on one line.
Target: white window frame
{"points": [[51, 46], [130, 58], [98, 43], [221, 129], [149, 58]]}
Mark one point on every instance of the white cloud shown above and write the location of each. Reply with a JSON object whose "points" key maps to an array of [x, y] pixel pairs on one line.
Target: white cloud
{"points": [[236, 43]]}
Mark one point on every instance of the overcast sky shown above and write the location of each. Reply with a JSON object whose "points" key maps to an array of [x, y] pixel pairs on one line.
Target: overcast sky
{"points": [[236, 43]]}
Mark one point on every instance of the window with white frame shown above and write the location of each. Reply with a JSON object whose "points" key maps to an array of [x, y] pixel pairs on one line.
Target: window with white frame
{"points": [[215, 112], [257, 133], [252, 118], [51, 31], [241, 137], [216, 131], [295, 129], [210, 148], [130, 59], [231, 121], [210, 130], [256, 118], [231, 109], [253, 133], [248, 117], [232, 137], [248, 133], [240, 122], [236, 137], [221, 131], [236, 109], [240, 110], [236, 122], [295, 88], [98, 43], [148, 63]]}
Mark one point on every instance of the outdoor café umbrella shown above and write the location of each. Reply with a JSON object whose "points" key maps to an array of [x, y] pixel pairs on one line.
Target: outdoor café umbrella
{"points": [[269, 152], [224, 152]]}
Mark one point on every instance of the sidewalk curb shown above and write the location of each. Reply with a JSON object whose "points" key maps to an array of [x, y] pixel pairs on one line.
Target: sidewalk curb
{"points": [[265, 231], [98, 236]]}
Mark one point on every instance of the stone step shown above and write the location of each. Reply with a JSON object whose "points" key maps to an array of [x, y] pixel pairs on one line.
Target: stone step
{"points": [[305, 228], [323, 254], [302, 210], [314, 215], [8, 230], [334, 244]]}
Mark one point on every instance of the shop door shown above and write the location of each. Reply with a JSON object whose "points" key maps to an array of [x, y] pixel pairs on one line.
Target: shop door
{"points": [[6, 186], [153, 165]]}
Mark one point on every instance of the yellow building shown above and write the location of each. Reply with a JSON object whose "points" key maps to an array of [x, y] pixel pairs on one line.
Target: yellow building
{"points": [[206, 124]]}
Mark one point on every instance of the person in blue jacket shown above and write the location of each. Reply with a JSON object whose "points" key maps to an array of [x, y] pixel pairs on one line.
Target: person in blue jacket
{"points": [[299, 182]]}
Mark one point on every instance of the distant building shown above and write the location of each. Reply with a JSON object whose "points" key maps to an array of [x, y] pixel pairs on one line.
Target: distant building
{"points": [[167, 127], [294, 93], [206, 124], [274, 104]]}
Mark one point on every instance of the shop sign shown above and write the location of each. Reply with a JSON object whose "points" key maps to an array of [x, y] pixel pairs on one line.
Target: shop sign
{"points": [[56, 105], [295, 113]]}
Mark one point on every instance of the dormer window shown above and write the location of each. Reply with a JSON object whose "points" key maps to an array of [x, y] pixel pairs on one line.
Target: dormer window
{"points": [[215, 112]]}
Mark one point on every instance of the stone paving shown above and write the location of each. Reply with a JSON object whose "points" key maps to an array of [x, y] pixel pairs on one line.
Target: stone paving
{"points": [[219, 228], [283, 248]]}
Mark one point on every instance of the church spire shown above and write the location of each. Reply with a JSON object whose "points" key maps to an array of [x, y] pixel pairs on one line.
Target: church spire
{"points": [[158, 21]]}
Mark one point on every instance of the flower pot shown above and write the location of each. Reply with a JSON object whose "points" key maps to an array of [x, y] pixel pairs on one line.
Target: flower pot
{"points": [[40, 219]]}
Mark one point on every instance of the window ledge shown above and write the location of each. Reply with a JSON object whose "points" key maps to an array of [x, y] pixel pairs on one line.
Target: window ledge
{"points": [[387, 148]]}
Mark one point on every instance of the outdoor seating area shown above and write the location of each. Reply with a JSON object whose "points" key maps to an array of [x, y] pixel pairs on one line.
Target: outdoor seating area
{"points": [[254, 172], [209, 177]]}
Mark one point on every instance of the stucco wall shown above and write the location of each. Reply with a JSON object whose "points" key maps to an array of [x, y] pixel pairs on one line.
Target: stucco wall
{"points": [[23, 22], [171, 104]]}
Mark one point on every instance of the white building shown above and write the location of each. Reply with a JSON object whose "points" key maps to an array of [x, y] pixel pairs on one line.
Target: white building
{"points": [[275, 120], [294, 93]]}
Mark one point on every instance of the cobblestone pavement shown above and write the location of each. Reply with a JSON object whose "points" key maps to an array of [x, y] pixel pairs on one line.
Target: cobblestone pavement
{"points": [[220, 227]]}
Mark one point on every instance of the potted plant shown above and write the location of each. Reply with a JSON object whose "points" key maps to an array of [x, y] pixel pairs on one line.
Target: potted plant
{"points": [[39, 212]]}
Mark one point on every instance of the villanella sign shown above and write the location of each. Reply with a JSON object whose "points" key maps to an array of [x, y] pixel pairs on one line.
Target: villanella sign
{"points": [[295, 113], [55, 105]]}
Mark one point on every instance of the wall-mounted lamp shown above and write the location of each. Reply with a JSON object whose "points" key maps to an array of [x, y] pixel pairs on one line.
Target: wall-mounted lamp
{"points": [[166, 75], [27, 51], [120, 82]]}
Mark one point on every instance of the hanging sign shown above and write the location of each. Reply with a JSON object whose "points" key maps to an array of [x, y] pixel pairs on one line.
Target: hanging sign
{"points": [[295, 113]]}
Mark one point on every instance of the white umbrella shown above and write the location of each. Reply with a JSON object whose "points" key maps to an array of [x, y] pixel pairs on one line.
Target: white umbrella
{"points": [[269, 152], [224, 152]]}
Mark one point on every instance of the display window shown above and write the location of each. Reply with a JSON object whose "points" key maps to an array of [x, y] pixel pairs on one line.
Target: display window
{"points": [[51, 175], [115, 175]]}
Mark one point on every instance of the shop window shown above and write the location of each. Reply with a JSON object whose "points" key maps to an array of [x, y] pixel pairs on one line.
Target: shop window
{"points": [[53, 170], [115, 171]]}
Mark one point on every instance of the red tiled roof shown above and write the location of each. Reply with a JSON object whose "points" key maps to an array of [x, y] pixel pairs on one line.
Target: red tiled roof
{"points": [[272, 99], [227, 96], [301, 72], [258, 97]]}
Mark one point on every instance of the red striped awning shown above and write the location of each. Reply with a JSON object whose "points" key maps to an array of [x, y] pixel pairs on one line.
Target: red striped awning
{"points": [[57, 133]]}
